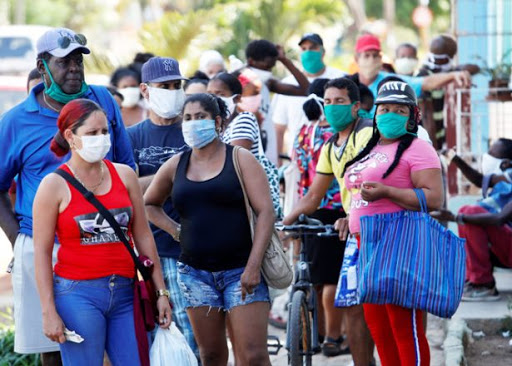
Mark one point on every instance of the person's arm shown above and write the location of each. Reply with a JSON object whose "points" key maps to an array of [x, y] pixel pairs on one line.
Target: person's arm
{"points": [[436, 81], [144, 182], [310, 202], [45, 213], [123, 152], [471, 68], [8, 221], [144, 241], [471, 174], [279, 87], [280, 130], [156, 195], [429, 180], [481, 219], [258, 192]]}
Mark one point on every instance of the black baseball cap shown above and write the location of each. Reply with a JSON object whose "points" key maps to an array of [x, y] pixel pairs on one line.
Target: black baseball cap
{"points": [[312, 37]]}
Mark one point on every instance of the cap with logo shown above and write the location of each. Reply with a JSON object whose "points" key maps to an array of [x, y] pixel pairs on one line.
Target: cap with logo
{"points": [[367, 42], [161, 69], [312, 37], [396, 92], [60, 42]]}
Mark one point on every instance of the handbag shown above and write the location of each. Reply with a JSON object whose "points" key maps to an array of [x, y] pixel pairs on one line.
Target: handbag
{"points": [[144, 296], [346, 290], [275, 267], [409, 259]]}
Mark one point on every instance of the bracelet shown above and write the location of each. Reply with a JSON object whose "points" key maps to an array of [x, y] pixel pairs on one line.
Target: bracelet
{"points": [[178, 234], [459, 219], [163, 292]]}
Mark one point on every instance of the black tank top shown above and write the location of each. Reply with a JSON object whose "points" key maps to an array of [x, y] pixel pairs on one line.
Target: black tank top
{"points": [[215, 231]]}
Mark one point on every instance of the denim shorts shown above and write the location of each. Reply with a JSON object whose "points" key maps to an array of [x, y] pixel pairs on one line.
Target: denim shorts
{"points": [[220, 289]]}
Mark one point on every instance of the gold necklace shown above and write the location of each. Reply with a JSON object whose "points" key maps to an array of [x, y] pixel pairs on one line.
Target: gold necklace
{"points": [[49, 105], [94, 188]]}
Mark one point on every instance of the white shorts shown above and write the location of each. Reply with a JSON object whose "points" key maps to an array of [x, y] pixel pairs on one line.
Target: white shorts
{"points": [[28, 322]]}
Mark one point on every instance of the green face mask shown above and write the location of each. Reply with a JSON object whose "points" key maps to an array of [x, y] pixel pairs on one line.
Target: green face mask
{"points": [[364, 114], [55, 92], [339, 116], [312, 61], [392, 125]]}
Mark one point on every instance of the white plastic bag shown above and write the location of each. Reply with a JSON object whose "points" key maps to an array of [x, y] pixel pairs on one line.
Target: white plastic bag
{"points": [[170, 348]]}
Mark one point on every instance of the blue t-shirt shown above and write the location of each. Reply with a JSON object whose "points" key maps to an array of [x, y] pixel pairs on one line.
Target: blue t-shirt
{"points": [[152, 146], [414, 82], [26, 132]]}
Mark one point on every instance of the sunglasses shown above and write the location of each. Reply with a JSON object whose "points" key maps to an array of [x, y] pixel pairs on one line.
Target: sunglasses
{"points": [[65, 41]]}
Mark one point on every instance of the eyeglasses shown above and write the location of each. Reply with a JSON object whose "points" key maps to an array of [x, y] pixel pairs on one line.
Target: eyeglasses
{"points": [[65, 41]]}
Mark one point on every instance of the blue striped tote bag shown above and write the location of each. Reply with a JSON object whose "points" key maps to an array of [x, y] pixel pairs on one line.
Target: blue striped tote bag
{"points": [[408, 259]]}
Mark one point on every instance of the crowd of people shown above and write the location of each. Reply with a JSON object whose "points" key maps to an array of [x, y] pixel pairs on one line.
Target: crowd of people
{"points": [[172, 159]]}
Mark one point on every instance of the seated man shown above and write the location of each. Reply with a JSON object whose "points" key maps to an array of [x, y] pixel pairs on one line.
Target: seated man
{"points": [[486, 226]]}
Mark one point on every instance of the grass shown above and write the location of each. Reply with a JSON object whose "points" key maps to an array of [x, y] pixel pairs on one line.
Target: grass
{"points": [[7, 355]]}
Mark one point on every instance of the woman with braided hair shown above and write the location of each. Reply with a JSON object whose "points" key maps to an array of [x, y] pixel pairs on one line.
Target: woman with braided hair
{"points": [[381, 179]]}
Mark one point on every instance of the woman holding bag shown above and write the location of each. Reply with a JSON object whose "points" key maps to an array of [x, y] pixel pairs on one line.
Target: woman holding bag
{"points": [[219, 270], [91, 292], [382, 179]]}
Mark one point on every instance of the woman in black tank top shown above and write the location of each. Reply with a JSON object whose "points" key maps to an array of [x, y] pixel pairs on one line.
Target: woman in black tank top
{"points": [[220, 264]]}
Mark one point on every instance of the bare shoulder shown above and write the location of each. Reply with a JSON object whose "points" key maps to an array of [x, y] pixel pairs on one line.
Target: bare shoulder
{"points": [[52, 187], [169, 167], [245, 156]]}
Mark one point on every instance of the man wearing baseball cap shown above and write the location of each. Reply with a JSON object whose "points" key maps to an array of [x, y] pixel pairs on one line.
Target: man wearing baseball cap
{"points": [[154, 141], [26, 132], [368, 57], [288, 115]]}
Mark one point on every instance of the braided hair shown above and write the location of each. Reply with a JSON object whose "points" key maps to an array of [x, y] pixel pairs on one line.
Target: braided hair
{"points": [[405, 141]]}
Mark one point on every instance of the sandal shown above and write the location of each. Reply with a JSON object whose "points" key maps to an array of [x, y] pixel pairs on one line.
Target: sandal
{"points": [[332, 347]]}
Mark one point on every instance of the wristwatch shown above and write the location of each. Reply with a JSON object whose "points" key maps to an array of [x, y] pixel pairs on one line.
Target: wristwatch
{"points": [[163, 292]]}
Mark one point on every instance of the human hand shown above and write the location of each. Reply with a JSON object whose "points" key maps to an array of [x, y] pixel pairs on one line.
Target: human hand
{"points": [[449, 154], [281, 55], [373, 191], [443, 215], [462, 78], [53, 327], [164, 312], [249, 280], [341, 225]]}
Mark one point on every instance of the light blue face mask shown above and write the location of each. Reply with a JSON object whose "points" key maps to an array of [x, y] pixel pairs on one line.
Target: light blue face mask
{"points": [[198, 133]]}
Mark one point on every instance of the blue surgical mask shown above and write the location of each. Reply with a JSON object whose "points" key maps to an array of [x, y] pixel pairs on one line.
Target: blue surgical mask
{"points": [[198, 133]]}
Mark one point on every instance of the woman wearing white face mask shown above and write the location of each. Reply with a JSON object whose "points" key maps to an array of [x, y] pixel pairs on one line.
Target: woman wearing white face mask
{"points": [[91, 291], [220, 264], [127, 83]]}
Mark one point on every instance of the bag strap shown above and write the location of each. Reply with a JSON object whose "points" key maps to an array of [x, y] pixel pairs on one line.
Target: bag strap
{"points": [[422, 199], [89, 196], [248, 208]]}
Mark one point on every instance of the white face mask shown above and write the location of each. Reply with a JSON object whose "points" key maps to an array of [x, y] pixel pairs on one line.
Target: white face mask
{"points": [[405, 65], [94, 148], [491, 165], [263, 75], [166, 103], [229, 103], [431, 62], [131, 96]]}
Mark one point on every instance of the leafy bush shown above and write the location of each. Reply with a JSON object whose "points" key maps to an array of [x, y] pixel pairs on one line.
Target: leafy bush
{"points": [[7, 355]]}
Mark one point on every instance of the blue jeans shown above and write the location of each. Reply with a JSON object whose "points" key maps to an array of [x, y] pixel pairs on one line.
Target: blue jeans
{"points": [[101, 311], [220, 289], [179, 312]]}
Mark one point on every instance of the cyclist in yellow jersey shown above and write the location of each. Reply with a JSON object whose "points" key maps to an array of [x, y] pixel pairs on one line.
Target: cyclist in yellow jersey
{"points": [[341, 106]]}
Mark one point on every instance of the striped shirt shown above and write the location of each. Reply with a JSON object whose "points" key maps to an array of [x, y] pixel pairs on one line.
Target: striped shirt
{"points": [[243, 127]]}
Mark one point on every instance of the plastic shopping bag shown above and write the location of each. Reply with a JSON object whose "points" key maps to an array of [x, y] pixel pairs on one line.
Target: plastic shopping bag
{"points": [[346, 291], [170, 348]]}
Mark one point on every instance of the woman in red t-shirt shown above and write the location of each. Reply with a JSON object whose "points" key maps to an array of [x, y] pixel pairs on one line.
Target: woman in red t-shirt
{"points": [[91, 291]]}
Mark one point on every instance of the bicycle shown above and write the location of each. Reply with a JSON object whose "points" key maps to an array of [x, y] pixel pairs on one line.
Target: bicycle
{"points": [[302, 325]]}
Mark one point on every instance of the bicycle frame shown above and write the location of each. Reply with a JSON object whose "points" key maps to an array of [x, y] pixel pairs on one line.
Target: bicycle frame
{"points": [[302, 282]]}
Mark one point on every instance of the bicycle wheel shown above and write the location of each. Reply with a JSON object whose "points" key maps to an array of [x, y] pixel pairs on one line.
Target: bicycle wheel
{"points": [[300, 331]]}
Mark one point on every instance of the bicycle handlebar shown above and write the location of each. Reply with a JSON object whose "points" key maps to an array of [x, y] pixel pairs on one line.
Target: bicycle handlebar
{"points": [[308, 225]]}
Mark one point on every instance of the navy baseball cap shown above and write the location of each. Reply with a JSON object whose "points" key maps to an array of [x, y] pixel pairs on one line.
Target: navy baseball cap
{"points": [[312, 37], [161, 69], [60, 42]]}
